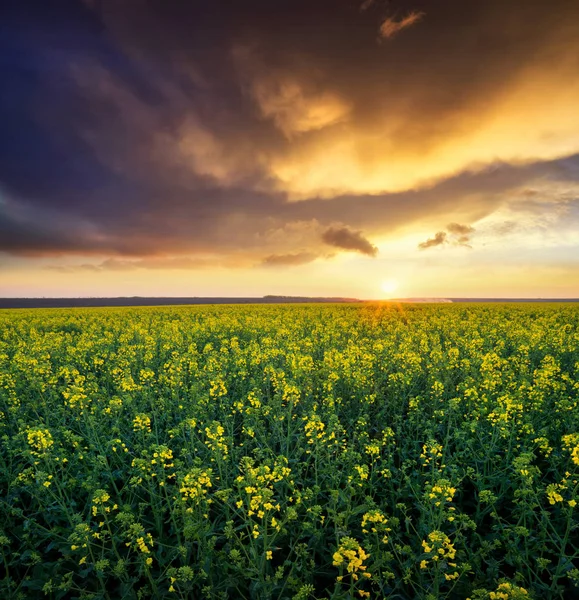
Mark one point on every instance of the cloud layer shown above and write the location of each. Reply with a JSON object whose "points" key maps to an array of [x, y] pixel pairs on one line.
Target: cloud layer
{"points": [[155, 135]]}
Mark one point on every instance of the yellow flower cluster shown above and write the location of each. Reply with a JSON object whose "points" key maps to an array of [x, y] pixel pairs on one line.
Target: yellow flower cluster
{"points": [[146, 376], [48, 481], [139, 540], [216, 440], [196, 484], [372, 450], [431, 451], [571, 444], [361, 474], [117, 443], [315, 430], [553, 492], [142, 422], [217, 389], [439, 548], [259, 501], [40, 440], [115, 404], [506, 410], [155, 465], [258, 484], [144, 543], [376, 522], [508, 591], [75, 396], [100, 503], [543, 445], [351, 556], [441, 491], [80, 538], [164, 456]]}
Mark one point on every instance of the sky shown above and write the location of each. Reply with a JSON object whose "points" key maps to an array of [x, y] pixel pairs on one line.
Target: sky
{"points": [[355, 148]]}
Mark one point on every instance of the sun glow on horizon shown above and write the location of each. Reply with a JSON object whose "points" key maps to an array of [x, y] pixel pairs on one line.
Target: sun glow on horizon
{"points": [[389, 286]]}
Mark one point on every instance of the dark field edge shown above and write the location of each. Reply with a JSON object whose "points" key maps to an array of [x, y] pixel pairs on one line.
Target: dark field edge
{"points": [[154, 301]]}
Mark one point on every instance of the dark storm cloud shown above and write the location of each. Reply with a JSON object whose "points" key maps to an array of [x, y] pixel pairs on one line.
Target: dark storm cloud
{"points": [[346, 239], [148, 128], [228, 220]]}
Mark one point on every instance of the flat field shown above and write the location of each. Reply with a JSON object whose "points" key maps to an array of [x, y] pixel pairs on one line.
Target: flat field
{"points": [[269, 452]]}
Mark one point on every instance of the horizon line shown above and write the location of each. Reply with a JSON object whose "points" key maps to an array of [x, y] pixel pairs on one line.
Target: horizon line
{"points": [[128, 301]]}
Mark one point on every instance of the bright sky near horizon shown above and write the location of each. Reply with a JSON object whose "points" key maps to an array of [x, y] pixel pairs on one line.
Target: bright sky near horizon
{"points": [[354, 148]]}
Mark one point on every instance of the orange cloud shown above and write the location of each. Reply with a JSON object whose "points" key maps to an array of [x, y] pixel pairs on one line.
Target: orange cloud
{"points": [[390, 26], [296, 102], [294, 110]]}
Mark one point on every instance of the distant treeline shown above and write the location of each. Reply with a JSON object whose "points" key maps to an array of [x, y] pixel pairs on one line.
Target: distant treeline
{"points": [[141, 301], [514, 300]]}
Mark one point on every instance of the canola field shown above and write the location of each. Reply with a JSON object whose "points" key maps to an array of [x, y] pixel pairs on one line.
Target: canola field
{"points": [[295, 451]]}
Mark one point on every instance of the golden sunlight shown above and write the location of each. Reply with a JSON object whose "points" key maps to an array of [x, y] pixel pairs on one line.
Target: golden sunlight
{"points": [[389, 286]]}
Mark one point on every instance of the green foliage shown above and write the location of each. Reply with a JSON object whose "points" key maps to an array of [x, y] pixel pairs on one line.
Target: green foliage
{"points": [[305, 452]]}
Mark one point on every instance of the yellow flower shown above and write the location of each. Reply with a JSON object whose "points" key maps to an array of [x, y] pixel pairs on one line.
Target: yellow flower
{"points": [[438, 547], [571, 444], [142, 422], [350, 555], [40, 440], [196, 484], [553, 494], [375, 521], [506, 590]]}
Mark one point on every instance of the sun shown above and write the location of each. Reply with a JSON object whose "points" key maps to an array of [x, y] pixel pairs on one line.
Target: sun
{"points": [[389, 286]]}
